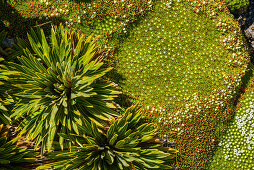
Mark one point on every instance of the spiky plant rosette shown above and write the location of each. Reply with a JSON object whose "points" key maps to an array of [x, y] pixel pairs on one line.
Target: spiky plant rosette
{"points": [[127, 143], [12, 156], [59, 85]]}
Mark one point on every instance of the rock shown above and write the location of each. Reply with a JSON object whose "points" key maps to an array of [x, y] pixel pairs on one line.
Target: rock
{"points": [[8, 43], [250, 14], [249, 32]]}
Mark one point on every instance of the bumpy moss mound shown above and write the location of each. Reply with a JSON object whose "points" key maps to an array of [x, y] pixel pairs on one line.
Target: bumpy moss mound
{"points": [[185, 61], [235, 5], [171, 54], [236, 149]]}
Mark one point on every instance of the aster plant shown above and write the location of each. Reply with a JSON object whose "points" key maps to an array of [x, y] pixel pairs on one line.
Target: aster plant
{"points": [[60, 85], [100, 17], [126, 143]]}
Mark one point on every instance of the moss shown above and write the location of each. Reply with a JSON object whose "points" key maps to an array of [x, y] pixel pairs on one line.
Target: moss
{"points": [[186, 70], [235, 150], [167, 56], [99, 17], [236, 5]]}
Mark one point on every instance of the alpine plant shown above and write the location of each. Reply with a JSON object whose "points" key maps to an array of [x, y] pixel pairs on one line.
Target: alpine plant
{"points": [[60, 85], [5, 99], [12, 156], [126, 144]]}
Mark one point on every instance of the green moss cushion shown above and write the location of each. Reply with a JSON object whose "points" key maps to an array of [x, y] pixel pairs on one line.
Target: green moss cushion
{"points": [[172, 54], [236, 149], [235, 5], [185, 61]]}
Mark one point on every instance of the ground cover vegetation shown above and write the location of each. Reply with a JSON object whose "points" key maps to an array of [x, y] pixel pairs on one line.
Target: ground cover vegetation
{"points": [[181, 68], [185, 67], [105, 18], [125, 143], [236, 5], [235, 150]]}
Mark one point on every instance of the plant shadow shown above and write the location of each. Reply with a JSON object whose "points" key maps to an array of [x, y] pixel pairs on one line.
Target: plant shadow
{"points": [[82, 1], [16, 25]]}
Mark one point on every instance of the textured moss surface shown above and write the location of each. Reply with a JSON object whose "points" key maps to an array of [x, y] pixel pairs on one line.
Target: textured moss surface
{"points": [[236, 5], [98, 17], [236, 149], [172, 54], [185, 64]]}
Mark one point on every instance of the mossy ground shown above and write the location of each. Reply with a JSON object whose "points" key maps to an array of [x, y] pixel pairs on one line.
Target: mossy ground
{"points": [[237, 5], [185, 66], [173, 56], [179, 67], [235, 150]]}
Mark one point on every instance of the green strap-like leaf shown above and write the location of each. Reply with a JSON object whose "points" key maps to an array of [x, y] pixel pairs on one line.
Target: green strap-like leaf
{"points": [[113, 139]]}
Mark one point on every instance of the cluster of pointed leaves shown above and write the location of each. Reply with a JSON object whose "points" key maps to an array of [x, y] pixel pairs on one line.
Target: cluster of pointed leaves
{"points": [[10, 155], [127, 143], [5, 99], [59, 85]]}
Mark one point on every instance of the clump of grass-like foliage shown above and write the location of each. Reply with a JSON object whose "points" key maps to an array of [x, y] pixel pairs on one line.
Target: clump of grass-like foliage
{"points": [[126, 143], [59, 86]]}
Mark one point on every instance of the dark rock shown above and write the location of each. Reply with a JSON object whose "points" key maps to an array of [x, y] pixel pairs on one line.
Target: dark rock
{"points": [[250, 14], [8, 43]]}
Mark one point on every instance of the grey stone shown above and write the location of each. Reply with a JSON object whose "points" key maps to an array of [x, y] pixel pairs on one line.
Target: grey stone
{"points": [[8, 43], [249, 32]]}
